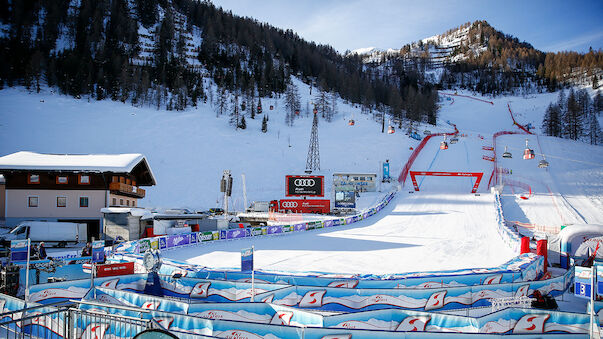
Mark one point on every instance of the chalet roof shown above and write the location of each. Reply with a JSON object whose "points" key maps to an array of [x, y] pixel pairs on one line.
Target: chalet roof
{"points": [[115, 163]]}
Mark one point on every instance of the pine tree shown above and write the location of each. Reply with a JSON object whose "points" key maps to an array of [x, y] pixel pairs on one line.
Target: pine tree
{"points": [[243, 124], [264, 125], [598, 102], [551, 122], [234, 113], [221, 102], [322, 103], [292, 103], [594, 129]]}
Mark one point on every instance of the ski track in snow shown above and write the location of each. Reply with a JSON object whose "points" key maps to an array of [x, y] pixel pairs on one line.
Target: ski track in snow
{"points": [[440, 227]]}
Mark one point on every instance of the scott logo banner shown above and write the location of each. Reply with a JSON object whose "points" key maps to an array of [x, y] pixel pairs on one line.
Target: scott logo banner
{"points": [[304, 185]]}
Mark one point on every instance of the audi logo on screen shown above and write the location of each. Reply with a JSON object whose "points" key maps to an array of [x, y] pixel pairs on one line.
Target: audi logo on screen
{"points": [[289, 204], [298, 185], [305, 182]]}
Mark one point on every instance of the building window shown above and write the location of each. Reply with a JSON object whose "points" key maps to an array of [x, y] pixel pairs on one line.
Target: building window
{"points": [[128, 203], [62, 179], [134, 203], [133, 182], [61, 201], [114, 179], [121, 202], [83, 201], [114, 201], [33, 179], [32, 201], [83, 179], [128, 181], [122, 180]]}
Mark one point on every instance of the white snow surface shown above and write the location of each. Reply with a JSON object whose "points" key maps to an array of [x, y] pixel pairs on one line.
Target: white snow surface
{"points": [[415, 232], [440, 227]]}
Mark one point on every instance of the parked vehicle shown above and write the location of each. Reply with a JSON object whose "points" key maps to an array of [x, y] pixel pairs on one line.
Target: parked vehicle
{"points": [[52, 233], [317, 206], [259, 206], [216, 211]]}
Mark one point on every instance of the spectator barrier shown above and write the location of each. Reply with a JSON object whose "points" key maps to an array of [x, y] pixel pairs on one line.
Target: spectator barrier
{"points": [[167, 242], [357, 299], [509, 235], [255, 320], [525, 267]]}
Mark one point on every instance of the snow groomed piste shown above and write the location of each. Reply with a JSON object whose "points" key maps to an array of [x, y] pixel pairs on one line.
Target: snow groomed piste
{"points": [[375, 305]]}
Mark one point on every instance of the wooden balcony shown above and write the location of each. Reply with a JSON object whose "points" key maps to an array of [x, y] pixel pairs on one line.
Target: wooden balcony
{"points": [[127, 190]]}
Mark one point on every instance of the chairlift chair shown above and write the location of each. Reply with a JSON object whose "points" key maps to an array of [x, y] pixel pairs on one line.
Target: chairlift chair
{"points": [[528, 153], [543, 163], [507, 154], [351, 122], [427, 132], [391, 130], [454, 140], [444, 144]]}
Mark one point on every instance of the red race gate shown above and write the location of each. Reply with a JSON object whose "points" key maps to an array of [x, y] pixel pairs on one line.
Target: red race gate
{"points": [[447, 174]]}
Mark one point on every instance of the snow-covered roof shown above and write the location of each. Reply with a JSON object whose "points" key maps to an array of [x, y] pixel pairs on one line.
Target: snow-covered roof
{"points": [[137, 212], [118, 163]]}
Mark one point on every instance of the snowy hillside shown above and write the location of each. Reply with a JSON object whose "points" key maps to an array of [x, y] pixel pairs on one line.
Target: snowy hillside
{"points": [[443, 224], [189, 150]]}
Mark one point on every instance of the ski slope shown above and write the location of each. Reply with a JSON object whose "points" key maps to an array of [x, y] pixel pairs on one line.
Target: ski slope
{"points": [[440, 227], [415, 232], [464, 156], [569, 191]]}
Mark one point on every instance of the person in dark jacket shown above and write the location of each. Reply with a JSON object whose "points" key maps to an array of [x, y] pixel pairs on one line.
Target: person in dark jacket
{"points": [[87, 251], [41, 251]]}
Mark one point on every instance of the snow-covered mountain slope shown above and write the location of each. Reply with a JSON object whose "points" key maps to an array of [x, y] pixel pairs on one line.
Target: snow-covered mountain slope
{"points": [[443, 226], [189, 150]]}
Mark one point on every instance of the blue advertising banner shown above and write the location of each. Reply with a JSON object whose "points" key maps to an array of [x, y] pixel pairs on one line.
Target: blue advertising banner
{"points": [[275, 229], [247, 259], [345, 199], [162, 243], [98, 251], [234, 234], [582, 282], [385, 170], [19, 250], [177, 240]]}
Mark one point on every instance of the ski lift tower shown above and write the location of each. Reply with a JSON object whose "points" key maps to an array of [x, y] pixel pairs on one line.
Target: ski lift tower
{"points": [[313, 160]]}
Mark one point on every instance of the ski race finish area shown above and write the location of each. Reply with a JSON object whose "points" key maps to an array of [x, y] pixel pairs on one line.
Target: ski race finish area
{"points": [[478, 177]]}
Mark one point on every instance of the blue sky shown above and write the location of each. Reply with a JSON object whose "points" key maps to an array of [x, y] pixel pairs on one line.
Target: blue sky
{"points": [[350, 24]]}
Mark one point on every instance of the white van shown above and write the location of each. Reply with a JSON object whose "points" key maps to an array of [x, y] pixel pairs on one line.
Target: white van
{"points": [[50, 232]]}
